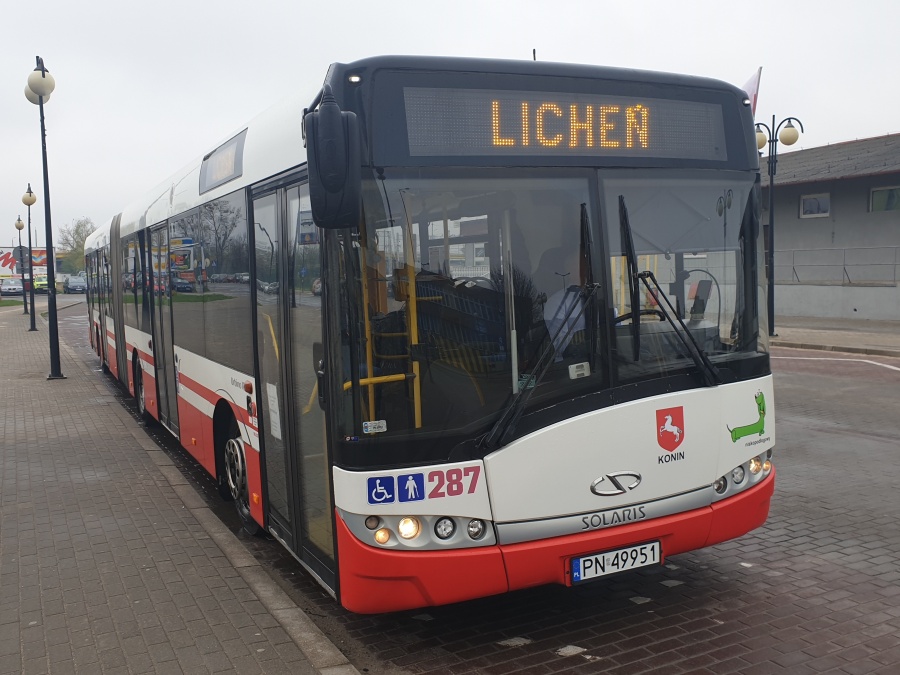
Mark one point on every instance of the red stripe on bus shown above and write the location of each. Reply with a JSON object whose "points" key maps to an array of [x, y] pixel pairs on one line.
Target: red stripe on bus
{"points": [[146, 357], [213, 398]]}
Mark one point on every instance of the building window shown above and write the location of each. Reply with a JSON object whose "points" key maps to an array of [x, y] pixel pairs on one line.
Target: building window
{"points": [[815, 206], [885, 199]]}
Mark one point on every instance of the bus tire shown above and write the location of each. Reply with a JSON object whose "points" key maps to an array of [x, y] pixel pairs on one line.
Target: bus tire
{"points": [[103, 367], [140, 394], [235, 476]]}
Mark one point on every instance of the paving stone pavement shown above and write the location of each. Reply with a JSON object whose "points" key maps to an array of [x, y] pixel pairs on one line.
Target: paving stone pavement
{"points": [[108, 562]]}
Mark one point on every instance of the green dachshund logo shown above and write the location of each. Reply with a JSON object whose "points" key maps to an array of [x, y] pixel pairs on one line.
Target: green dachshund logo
{"points": [[758, 427]]}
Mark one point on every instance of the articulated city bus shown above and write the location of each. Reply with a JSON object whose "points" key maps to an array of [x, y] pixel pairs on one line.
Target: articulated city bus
{"points": [[455, 327]]}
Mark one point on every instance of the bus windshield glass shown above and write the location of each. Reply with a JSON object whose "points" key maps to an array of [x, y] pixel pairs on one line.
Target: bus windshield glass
{"points": [[461, 283]]}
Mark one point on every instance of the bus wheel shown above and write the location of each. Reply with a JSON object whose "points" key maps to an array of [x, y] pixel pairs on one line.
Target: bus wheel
{"points": [[236, 477], [99, 350], [140, 395]]}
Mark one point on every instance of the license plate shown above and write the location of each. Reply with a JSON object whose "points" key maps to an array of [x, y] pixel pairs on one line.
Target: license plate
{"points": [[612, 562]]}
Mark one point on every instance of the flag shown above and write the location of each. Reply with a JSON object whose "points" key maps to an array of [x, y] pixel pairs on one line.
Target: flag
{"points": [[752, 89]]}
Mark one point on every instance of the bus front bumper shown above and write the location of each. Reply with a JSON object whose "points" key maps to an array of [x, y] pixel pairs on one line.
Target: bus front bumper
{"points": [[375, 580]]}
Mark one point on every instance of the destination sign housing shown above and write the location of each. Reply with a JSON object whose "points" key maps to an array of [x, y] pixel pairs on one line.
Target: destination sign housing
{"points": [[481, 122]]}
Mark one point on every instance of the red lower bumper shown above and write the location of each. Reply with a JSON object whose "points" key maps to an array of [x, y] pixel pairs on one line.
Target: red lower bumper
{"points": [[374, 580]]}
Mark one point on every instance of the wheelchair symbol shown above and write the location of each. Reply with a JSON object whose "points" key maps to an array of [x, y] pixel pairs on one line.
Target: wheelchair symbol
{"points": [[378, 494]]}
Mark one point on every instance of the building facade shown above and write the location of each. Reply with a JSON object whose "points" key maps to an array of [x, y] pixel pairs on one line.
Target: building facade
{"points": [[837, 229]]}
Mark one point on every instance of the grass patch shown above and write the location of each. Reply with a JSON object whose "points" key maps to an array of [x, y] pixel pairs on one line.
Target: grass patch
{"points": [[10, 303]]}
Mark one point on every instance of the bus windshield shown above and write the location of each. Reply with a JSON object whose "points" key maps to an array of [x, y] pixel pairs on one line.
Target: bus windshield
{"points": [[460, 284]]}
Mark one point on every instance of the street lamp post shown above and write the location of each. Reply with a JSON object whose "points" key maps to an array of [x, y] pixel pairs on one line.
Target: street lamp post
{"points": [[771, 135], [40, 86], [28, 199], [20, 226]]}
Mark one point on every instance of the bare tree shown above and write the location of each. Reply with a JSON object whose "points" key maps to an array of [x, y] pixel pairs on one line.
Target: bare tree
{"points": [[71, 237], [70, 244]]}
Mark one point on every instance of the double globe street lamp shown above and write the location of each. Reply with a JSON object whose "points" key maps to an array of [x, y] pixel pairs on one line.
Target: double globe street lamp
{"points": [[40, 85], [28, 199], [787, 133]]}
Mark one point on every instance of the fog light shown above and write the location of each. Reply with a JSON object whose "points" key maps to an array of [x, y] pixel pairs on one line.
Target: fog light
{"points": [[475, 529], [408, 528], [444, 528], [755, 466], [737, 475], [720, 485], [383, 535], [372, 522], [767, 466]]}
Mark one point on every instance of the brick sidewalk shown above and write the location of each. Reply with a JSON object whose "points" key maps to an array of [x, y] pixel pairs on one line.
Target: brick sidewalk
{"points": [[107, 563]]}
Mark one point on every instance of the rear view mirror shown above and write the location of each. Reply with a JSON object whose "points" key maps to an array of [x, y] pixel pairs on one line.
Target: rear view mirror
{"points": [[333, 153]]}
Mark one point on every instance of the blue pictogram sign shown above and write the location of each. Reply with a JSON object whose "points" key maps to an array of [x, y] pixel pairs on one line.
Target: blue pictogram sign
{"points": [[380, 489], [411, 487]]}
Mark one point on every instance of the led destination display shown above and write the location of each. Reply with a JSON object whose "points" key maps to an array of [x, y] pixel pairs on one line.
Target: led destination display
{"points": [[479, 122]]}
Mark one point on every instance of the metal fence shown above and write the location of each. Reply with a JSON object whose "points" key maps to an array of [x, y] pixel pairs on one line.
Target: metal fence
{"points": [[876, 266]]}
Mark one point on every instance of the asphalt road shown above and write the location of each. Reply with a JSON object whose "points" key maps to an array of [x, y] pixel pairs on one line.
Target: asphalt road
{"points": [[817, 589]]}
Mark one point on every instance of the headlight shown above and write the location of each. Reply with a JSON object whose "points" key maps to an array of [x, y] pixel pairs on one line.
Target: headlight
{"points": [[408, 528], [755, 466], [444, 528], [383, 535], [476, 529], [737, 475], [720, 485]]}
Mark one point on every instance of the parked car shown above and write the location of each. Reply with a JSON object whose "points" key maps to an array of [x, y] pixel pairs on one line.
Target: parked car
{"points": [[75, 285], [40, 284], [11, 287], [182, 285]]}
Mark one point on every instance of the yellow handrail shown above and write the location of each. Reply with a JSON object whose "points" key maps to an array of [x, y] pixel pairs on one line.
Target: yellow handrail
{"points": [[380, 379]]}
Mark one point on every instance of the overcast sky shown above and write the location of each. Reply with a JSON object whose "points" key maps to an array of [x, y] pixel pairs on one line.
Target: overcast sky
{"points": [[143, 90]]}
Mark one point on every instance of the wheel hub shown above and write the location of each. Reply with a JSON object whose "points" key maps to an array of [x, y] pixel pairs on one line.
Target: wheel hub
{"points": [[235, 469]]}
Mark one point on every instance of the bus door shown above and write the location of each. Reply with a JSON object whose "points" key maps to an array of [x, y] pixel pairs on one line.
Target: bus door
{"points": [[102, 295], [163, 346], [115, 303], [289, 323]]}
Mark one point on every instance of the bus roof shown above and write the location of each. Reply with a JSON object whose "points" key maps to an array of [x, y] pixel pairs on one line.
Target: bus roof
{"points": [[273, 140]]}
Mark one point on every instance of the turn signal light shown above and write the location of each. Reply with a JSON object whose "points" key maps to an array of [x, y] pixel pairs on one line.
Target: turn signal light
{"points": [[383, 535]]}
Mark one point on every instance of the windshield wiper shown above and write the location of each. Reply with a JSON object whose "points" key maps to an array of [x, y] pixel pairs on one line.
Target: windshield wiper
{"points": [[506, 423], [711, 375], [634, 290], [587, 255]]}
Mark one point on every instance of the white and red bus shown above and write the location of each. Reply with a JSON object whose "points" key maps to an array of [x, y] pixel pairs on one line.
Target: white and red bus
{"points": [[535, 354]]}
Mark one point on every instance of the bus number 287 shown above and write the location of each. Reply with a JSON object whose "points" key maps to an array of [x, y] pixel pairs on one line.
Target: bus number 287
{"points": [[453, 482]]}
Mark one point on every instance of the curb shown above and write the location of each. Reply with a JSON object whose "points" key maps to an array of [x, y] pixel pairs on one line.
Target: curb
{"points": [[835, 348], [319, 650]]}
